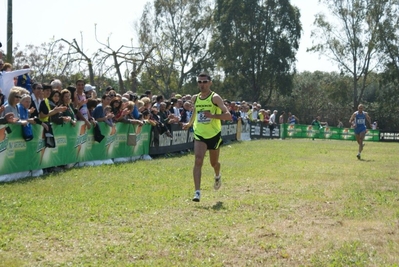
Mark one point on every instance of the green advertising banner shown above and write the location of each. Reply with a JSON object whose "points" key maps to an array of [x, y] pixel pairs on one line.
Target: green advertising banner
{"points": [[310, 131], [73, 144]]}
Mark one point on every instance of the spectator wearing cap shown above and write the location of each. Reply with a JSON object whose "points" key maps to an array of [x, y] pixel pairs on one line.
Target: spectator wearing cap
{"points": [[88, 89]]}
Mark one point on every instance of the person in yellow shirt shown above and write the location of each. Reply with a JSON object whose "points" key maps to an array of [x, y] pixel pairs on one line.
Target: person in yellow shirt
{"points": [[208, 112]]}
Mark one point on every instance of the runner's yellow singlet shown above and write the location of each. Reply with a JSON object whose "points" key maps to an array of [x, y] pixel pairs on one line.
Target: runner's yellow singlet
{"points": [[203, 126]]}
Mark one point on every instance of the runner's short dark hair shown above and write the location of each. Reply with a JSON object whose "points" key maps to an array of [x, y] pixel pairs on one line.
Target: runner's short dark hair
{"points": [[204, 74]]}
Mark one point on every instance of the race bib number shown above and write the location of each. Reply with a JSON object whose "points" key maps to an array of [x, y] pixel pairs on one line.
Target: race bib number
{"points": [[361, 121], [201, 117]]}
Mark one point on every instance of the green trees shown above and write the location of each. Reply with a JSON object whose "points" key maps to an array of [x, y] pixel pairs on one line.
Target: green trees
{"points": [[255, 43], [350, 35], [180, 31], [319, 93]]}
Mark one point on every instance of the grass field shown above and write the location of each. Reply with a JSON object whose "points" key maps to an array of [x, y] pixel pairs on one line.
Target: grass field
{"points": [[282, 203]]}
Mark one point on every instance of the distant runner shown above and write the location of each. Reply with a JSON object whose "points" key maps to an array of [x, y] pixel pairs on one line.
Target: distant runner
{"points": [[358, 119]]}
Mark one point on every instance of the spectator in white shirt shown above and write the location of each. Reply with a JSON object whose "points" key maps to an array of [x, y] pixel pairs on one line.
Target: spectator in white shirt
{"points": [[7, 78]]}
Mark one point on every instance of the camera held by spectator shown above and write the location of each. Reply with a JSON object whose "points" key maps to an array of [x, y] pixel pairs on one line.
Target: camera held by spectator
{"points": [[133, 97]]}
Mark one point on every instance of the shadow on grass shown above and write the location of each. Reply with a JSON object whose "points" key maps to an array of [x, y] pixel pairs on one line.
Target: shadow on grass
{"points": [[367, 160], [217, 206]]}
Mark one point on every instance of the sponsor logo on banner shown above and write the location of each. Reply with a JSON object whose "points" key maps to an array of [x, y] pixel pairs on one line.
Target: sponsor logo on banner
{"points": [[292, 130], [14, 146], [3, 145], [81, 139], [309, 131], [346, 134], [179, 137], [110, 139], [370, 135], [255, 129], [3, 139], [327, 132], [389, 136]]}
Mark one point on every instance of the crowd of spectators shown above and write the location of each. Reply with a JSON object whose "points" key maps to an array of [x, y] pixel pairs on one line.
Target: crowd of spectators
{"points": [[28, 102], [50, 102]]}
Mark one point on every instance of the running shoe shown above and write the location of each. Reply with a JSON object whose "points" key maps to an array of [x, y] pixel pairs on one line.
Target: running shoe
{"points": [[197, 196], [218, 182]]}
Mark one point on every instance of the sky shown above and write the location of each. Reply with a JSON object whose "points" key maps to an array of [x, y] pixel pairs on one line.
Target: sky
{"points": [[38, 21]]}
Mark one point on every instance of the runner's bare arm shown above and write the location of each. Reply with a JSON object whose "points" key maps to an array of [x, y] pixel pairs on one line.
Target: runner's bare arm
{"points": [[225, 112]]}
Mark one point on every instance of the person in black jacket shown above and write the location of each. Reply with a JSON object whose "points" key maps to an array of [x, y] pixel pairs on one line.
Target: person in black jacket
{"points": [[37, 97]]}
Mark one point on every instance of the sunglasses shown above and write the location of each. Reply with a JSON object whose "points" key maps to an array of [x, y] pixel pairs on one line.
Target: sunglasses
{"points": [[112, 95], [204, 81], [18, 96]]}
